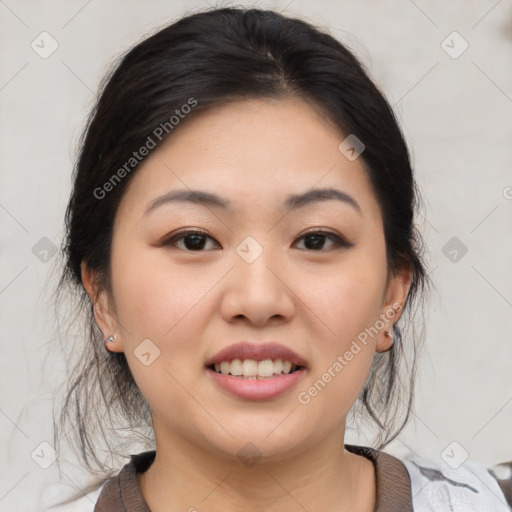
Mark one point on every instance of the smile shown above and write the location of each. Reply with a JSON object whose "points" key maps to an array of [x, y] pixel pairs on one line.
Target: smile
{"points": [[251, 369], [256, 387], [255, 371]]}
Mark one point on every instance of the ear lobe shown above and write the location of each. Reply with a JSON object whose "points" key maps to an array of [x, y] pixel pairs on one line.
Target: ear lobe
{"points": [[102, 315], [396, 295]]}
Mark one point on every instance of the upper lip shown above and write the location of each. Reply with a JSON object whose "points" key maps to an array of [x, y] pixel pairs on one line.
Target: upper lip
{"points": [[258, 352]]}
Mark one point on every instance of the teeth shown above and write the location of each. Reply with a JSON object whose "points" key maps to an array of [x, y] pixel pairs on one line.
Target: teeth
{"points": [[249, 368], [266, 368], [236, 367]]}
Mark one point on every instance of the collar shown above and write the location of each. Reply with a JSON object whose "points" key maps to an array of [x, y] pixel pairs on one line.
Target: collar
{"points": [[122, 492]]}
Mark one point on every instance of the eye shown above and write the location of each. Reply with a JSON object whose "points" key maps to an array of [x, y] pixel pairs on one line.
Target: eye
{"points": [[315, 240], [193, 240], [196, 240]]}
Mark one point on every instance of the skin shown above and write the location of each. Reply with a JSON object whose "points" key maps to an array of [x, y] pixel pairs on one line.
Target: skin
{"points": [[191, 304]]}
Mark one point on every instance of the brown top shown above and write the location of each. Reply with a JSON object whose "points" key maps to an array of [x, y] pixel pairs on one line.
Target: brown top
{"points": [[122, 492]]}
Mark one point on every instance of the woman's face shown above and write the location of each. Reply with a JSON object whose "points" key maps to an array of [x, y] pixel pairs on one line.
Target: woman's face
{"points": [[257, 280]]}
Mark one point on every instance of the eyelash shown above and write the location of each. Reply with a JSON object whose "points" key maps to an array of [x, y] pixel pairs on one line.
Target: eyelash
{"points": [[339, 242]]}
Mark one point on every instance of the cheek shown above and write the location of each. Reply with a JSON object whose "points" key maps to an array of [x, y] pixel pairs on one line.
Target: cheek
{"points": [[151, 297], [348, 304], [348, 299], [160, 301], [157, 303]]}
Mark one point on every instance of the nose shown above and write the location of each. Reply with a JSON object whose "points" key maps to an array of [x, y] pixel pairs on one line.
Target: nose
{"points": [[259, 292]]}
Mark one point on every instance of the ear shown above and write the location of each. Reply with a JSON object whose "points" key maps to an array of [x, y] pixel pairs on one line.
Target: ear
{"points": [[395, 296], [103, 314]]}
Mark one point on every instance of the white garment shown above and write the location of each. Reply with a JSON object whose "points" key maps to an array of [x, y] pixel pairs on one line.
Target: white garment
{"points": [[437, 487]]}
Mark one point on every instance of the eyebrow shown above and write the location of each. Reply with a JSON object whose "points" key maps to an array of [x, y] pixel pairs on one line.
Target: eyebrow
{"points": [[292, 202]]}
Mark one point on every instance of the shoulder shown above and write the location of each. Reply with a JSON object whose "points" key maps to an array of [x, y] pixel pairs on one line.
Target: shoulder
{"points": [[470, 487], [119, 492]]}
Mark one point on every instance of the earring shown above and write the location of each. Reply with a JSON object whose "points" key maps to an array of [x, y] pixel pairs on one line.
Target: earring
{"points": [[110, 339], [391, 337]]}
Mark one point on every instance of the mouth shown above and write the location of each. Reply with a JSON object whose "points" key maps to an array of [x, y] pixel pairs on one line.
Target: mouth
{"points": [[250, 369], [256, 371]]}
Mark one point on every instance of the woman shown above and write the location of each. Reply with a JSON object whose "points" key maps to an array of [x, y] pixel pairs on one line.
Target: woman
{"points": [[241, 232]]}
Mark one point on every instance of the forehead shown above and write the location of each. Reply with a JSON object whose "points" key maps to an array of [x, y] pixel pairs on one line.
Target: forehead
{"points": [[253, 152]]}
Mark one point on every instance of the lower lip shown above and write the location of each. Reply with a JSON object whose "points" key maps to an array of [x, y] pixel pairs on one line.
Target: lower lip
{"points": [[256, 389]]}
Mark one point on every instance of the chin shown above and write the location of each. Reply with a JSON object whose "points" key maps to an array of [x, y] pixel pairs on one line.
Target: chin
{"points": [[258, 443]]}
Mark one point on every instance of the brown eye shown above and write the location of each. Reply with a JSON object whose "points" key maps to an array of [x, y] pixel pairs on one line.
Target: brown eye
{"points": [[190, 241], [316, 240]]}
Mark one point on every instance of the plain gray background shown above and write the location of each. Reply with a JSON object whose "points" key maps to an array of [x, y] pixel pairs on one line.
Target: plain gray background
{"points": [[455, 111]]}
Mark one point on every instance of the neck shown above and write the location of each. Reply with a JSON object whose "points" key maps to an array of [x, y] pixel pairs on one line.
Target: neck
{"points": [[185, 476]]}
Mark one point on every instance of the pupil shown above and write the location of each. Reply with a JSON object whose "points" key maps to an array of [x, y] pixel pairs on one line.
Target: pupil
{"points": [[197, 241], [317, 241]]}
